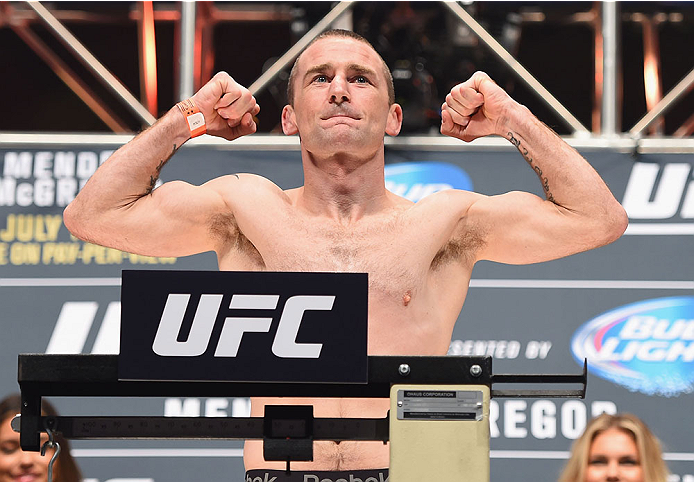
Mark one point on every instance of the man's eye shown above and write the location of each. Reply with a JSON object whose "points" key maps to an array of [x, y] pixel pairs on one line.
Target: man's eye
{"points": [[320, 78], [360, 79]]}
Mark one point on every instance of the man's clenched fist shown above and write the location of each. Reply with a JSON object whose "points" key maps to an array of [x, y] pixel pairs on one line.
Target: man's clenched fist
{"points": [[474, 108], [228, 107]]}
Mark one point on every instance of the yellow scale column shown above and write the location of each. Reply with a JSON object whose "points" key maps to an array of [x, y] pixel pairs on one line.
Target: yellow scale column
{"points": [[437, 446]]}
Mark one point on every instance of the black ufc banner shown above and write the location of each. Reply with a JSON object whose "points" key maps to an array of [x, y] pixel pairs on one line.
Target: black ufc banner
{"points": [[243, 326]]}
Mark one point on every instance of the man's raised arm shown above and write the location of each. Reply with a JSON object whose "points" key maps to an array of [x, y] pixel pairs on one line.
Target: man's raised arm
{"points": [[578, 213], [119, 207]]}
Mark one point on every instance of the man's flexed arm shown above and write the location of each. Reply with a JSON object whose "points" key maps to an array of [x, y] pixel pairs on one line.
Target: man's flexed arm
{"points": [[118, 207], [578, 212]]}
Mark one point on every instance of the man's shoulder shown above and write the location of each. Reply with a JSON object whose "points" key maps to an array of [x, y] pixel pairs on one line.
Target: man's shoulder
{"points": [[449, 200], [243, 182]]}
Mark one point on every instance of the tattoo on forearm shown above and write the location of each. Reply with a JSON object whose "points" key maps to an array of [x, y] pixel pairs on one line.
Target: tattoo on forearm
{"points": [[513, 140], [526, 155], [153, 178]]}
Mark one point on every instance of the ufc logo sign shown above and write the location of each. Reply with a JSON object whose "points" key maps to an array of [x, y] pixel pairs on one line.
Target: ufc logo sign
{"points": [[283, 346], [241, 326]]}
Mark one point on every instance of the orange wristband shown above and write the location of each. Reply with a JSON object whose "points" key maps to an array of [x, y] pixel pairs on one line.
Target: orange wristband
{"points": [[196, 121]]}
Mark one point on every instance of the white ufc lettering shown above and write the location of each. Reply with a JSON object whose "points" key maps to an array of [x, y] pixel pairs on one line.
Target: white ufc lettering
{"points": [[284, 345], [643, 199], [165, 342]]}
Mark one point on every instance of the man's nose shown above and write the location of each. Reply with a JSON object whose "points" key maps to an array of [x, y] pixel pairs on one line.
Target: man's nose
{"points": [[339, 90]]}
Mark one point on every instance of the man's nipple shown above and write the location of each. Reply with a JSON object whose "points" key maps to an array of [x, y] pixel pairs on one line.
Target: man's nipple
{"points": [[406, 298]]}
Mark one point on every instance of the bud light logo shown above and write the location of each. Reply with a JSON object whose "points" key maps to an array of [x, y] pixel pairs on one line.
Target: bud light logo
{"points": [[646, 346], [416, 180]]}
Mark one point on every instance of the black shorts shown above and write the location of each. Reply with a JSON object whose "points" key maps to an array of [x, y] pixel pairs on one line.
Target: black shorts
{"points": [[373, 475]]}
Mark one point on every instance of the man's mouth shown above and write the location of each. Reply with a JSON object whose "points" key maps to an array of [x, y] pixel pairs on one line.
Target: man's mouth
{"points": [[340, 115]]}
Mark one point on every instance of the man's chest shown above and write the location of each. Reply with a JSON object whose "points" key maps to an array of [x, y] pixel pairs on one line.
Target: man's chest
{"points": [[398, 248], [393, 250], [383, 252]]}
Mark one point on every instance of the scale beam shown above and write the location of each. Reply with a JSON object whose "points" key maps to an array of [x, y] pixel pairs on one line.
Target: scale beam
{"points": [[97, 376]]}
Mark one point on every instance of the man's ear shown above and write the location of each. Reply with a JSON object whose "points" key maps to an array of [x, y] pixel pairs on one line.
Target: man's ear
{"points": [[394, 122], [289, 126]]}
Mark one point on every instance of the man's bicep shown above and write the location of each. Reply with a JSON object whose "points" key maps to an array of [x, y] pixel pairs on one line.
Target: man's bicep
{"points": [[522, 228], [173, 220]]}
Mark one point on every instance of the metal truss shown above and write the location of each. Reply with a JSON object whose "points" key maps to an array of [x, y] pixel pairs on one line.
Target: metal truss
{"points": [[195, 21]]}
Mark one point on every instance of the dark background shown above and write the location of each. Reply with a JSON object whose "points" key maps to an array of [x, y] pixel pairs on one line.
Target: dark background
{"points": [[553, 40]]}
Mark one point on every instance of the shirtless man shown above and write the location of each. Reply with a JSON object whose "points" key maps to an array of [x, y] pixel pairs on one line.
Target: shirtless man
{"points": [[419, 257]]}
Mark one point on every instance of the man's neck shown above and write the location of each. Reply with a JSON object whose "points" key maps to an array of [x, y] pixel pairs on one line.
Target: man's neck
{"points": [[343, 188]]}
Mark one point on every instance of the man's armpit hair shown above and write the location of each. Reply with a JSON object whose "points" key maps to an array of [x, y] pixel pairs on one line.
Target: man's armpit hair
{"points": [[461, 248], [223, 227]]}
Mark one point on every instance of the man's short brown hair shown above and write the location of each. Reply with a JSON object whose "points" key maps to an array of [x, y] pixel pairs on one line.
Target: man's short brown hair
{"points": [[347, 34]]}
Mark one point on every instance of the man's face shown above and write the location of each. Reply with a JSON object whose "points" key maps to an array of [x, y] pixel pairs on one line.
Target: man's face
{"points": [[341, 99]]}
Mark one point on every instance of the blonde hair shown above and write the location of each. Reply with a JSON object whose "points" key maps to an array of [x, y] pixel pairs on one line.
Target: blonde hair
{"points": [[650, 453]]}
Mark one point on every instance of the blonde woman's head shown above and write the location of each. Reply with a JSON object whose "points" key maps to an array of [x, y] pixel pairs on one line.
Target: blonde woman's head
{"points": [[615, 447]]}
